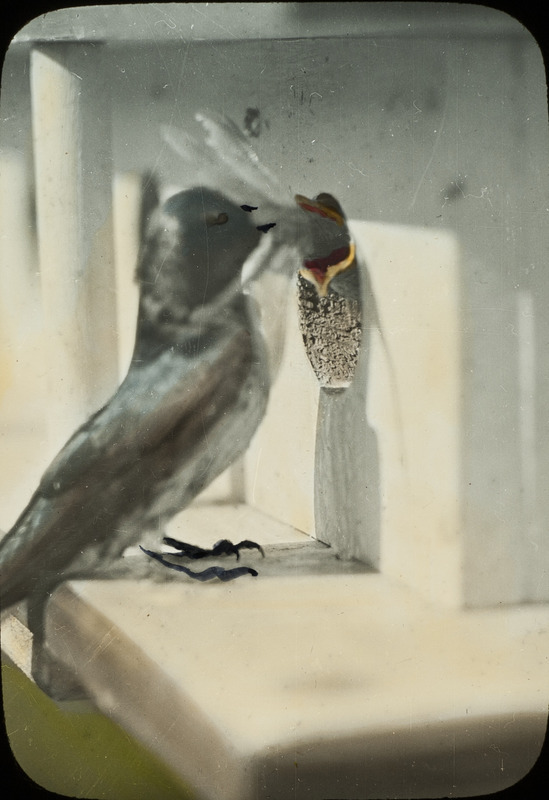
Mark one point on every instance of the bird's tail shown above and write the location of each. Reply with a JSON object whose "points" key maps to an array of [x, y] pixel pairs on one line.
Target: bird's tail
{"points": [[12, 574], [25, 559]]}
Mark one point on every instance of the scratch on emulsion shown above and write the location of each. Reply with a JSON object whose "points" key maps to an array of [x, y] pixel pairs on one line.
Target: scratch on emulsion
{"points": [[433, 151]]}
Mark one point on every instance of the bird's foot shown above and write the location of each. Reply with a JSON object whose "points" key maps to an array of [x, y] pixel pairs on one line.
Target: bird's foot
{"points": [[221, 548], [207, 574]]}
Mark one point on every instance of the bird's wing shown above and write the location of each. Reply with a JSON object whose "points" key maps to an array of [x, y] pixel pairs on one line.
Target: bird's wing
{"points": [[225, 156], [160, 415], [225, 160], [155, 399]]}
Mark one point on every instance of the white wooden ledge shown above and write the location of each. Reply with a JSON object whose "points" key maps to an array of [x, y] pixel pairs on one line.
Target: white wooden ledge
{"points": [[308, 686]]}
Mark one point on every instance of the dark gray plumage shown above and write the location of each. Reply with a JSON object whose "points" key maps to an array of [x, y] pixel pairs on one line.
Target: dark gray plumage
{"points": [[194, 394]]}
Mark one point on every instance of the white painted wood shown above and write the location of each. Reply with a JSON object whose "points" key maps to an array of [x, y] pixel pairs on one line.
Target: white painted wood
{"points": [[17, 643], [403, 477], [311, 687], [23, 391], [73, 201], [280, 460], [416, 386], [387, 477], [19, 316], [165, 22], [127, 191], [57, 148]]}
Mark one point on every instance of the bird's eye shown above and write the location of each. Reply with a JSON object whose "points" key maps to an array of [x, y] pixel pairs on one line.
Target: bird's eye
{"points": [[216, 219]]}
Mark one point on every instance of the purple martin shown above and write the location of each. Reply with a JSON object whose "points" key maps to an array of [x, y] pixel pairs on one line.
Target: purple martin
{"points": [[195, 392]]}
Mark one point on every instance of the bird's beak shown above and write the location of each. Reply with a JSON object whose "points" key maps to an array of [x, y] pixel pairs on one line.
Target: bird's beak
{"points": [[319, 270], [316, 207]]}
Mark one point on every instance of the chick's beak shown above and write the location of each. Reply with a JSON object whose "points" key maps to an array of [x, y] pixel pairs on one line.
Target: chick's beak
{"points": [[319, 269], [324, 209]]}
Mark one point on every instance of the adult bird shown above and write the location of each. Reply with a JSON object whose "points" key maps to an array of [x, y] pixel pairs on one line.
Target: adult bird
{"points": [[196, 389]]}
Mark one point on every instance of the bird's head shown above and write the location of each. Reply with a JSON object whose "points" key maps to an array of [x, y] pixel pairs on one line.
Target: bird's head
{"points": [[330, 250], [212, 236]]}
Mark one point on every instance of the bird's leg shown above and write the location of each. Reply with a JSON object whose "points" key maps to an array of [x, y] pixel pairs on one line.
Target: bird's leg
{"points": [[50, 675]]}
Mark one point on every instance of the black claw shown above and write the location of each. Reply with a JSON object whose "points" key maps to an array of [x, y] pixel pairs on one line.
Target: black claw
{"points": [[186, 550], [265, 228], [246, 544], [225, 548], [221, 548], [207, 574]]}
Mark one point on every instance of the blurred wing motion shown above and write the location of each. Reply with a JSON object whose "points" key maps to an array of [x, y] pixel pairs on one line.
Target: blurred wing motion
{"points": [[225, 158], [311, 234]]}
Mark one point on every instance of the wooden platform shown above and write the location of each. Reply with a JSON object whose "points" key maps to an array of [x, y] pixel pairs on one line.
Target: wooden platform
{"points": [[308, 681]]}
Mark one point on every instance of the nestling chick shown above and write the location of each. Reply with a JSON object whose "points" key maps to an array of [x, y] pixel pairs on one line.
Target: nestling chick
{"points": [[329, 302]]}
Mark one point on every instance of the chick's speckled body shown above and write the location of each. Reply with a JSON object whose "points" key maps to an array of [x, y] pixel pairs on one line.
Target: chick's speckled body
{"points": [[329, 302]]}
